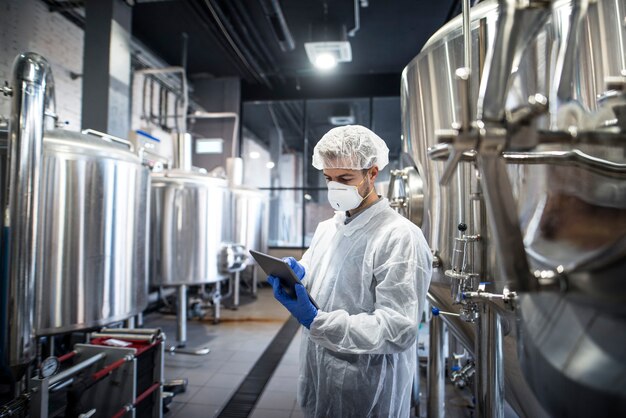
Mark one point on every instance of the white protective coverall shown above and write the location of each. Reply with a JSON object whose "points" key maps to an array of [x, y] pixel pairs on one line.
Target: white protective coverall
{"points": [[370, 279]]}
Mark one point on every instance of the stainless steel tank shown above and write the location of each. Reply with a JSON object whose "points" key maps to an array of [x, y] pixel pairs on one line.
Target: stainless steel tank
{"points": [[250, 208], [75, 228], [570, 198], [190, 223], [93, 233]]}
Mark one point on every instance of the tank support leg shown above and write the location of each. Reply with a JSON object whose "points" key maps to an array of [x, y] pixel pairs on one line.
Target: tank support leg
{"points": [[181, 328], [436, 369]]}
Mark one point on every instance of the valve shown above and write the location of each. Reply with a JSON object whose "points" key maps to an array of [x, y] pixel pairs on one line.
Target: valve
{"points": [[460, 377], [6, 90]]}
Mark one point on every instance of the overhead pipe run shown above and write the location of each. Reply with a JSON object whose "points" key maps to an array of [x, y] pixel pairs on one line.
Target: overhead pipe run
{"points": [[235, 43], [274, 14], [357, 20]]}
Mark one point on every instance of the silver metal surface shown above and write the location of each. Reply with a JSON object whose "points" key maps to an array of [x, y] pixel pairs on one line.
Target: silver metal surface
{"points": [[406, 194], [76, 368], [92, 257], [251, 218], [129, 335], [108, 137], [190, 220], [515, 27], [489, 378], [435, 406], [181, 316], [184, 152], [567, 196], [573, 355], [31, 76], [180, 345]]}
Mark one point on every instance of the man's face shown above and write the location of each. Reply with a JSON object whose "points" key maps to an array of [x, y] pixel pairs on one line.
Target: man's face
{"points": [[363, 179]]}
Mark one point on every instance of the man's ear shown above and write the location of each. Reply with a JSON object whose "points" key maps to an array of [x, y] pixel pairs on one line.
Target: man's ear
{"points": [[374, 172]]}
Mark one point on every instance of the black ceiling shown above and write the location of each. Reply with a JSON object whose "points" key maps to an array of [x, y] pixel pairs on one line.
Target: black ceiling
{"points": [[234, 38]]}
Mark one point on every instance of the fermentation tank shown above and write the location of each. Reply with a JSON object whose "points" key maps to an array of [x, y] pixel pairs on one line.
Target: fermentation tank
{"points": [[190, 224], [251, 217], [76, 223], [92, 252], [557, 109]]}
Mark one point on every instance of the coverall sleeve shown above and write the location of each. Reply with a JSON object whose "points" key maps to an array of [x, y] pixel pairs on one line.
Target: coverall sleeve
{"points": [[392, 327]]}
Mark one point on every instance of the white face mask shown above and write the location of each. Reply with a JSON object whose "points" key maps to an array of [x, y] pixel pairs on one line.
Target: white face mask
{"points": [[344, 197]]}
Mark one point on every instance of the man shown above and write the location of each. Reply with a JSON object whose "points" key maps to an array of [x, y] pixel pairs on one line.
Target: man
{"points": [[369, 269]]}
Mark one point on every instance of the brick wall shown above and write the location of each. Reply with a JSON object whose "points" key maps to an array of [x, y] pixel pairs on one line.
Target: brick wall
{"points": [[27, 25]]}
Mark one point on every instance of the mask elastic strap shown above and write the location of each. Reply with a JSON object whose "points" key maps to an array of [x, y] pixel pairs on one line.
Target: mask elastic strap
{"points": [[367, 195]]}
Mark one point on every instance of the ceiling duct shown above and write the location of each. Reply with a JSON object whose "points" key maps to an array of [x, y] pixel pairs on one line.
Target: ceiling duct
{"points": [[274, 15]]}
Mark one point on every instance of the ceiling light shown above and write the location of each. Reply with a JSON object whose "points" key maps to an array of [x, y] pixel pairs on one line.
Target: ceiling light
{"points": [[270, 164], [341, 120], [325, 61], [254, 155], [328, 53]]}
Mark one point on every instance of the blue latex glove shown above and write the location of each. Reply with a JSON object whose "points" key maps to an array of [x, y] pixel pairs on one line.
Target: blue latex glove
{"points": [[301, 307], [296, 267]]}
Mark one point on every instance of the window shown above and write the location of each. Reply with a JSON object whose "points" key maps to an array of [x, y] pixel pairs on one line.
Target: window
{"points": [[277, 146]]}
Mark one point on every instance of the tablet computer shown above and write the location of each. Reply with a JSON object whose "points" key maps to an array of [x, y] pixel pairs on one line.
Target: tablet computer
{"points": [[276, 267]]}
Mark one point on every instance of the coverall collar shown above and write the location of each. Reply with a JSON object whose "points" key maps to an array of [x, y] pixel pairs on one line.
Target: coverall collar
{"points": [[362, 220]]}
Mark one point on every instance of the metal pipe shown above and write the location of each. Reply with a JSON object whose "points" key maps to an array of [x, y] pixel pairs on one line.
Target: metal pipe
{"points": [[436, 369], [489, 377], [149, 331], [236, 278], [357, 20], [75, 369], [123, 336], [467, 35], [130, 323], [236, 44], [137, 401], [183, 154], [32, 95], [516, 27], [185, 93], [181, 317], [67, 356], [274, 15], [563, 89], [105, 371], [574, 157], [503, 219]]}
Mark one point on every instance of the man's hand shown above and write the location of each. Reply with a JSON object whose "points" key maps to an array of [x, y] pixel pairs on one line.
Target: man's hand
{"points": [[296, 267], [301, 307]]}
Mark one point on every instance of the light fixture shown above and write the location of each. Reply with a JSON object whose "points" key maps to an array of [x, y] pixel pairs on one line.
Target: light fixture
{"points": [[325, 61], [254, 155], [270, 164], [328, 45], [325, 55]]}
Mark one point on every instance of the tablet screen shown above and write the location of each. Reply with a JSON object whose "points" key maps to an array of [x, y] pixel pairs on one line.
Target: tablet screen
{"points": [[276, 267]]}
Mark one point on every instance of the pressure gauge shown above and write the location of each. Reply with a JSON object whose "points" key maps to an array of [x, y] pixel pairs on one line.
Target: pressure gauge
{"points": [[49, 367]]}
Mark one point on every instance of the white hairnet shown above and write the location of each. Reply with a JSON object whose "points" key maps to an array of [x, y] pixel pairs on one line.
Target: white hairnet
{"points": [[351, 147]]}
